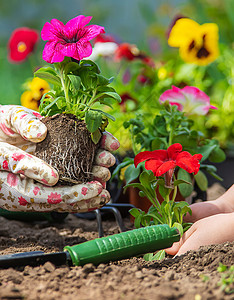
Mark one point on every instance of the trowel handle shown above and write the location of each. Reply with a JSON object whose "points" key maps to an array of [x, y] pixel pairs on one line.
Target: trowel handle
{"points": [[123, 245]]}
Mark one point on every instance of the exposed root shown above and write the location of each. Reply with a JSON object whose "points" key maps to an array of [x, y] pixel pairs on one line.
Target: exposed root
{"points": [[71, 154]]}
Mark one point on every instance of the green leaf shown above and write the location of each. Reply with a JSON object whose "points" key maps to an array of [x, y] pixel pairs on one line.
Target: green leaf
{"points": [[159, 255], [131, 173], [180, 181], [217, 155], [160, 125], [158, 143], [101, 80], [179, 227], [127, 161], [90, 65], [137, 221], [201, 181], [146, 177], [95, 136], [109, 95], [75, 81], [184, 188], [53, 102], [104, 113], [49, 75], [134, 212], [148, 256], [93, 120], [71, 67], [163, 191], [206, 150]]}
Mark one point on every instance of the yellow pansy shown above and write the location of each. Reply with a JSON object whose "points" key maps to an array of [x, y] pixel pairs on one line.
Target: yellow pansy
{"points": [[28, 101], [36, 88], [197, 43]]}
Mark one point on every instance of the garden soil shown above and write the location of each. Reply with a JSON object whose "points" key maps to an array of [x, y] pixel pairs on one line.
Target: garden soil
{"points": [[191, 276]]}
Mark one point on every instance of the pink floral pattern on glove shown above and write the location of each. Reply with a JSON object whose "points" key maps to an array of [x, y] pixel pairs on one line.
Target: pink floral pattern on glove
{"points": [[54, 198], [22, 201], [12, 179]]}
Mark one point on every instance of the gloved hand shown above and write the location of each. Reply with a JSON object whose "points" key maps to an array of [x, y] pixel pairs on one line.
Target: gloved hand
{"points": [[20, 129]]}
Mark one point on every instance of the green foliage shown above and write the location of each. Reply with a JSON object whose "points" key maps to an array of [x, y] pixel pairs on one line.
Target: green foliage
{"points": [[168, 212], [227, 278], [79, 89], [171, 126]]}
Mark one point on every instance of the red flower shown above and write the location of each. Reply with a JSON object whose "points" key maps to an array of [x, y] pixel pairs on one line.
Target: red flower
{"points": [[162, 161], [104, 38], [21, 44], [126, 51]]}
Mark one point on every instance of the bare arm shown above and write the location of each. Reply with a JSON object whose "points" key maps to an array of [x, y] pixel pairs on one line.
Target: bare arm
{"points": [[215, 229], [223, 204]]}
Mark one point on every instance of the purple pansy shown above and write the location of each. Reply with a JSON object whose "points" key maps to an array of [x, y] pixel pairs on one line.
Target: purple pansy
{"points": [[71, 40], [190, 99]]}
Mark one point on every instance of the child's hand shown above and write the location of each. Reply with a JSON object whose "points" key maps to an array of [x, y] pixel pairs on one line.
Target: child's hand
{"points": [[215, 229]]}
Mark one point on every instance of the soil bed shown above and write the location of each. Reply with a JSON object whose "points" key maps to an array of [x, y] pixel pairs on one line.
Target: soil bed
{"points": [[191, 276]]}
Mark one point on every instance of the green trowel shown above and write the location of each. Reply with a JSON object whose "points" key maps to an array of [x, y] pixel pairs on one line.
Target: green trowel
{"points": [[101, 250]]}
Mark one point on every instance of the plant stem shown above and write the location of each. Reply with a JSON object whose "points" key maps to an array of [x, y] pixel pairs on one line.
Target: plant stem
{"points": [[65, 87]]}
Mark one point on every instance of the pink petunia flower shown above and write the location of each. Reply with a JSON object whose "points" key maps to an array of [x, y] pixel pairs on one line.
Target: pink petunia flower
{"points": [[54, 198], [21, 44], [190, 99], [71, 40]]}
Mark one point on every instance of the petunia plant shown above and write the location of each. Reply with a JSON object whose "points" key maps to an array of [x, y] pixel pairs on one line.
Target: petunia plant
{"points": [[173, 125], [159, 178], [79, 88]]}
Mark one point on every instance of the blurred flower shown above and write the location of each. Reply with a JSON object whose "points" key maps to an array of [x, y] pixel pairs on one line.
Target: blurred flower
{"points": [[197, 43], [131, 52], [104, 38], [127, 51], [70, 40], [21, 44], [103, 49], [190, 99], [126, 76], [125, 97], [35, 90], [162, 73], [175, 19], [104, 45]]}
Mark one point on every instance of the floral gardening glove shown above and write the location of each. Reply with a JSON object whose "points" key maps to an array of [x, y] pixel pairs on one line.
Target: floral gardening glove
{"points": [[20, 129]]}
